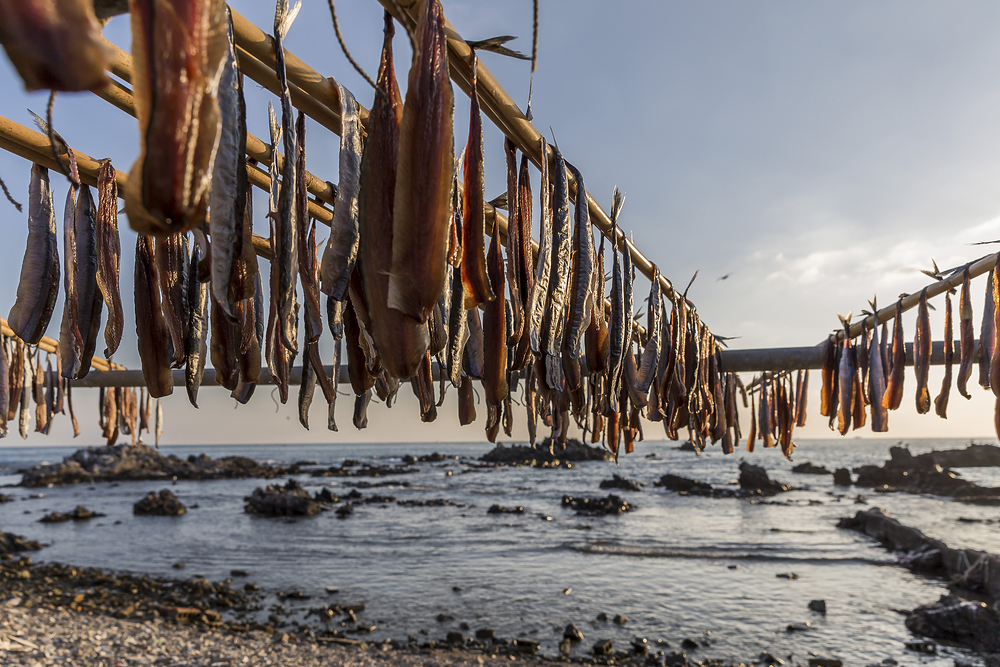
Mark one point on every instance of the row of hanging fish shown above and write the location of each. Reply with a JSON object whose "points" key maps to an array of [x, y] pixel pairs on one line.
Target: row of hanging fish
{"points": [[405, 270], [869, 374], [30, 390]]}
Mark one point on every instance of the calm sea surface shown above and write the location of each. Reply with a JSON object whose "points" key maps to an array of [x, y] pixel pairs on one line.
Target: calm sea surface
{"points": [[666, 566]]}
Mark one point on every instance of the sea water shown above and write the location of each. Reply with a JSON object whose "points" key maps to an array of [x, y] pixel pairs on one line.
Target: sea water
{"points": [[677, 566]]}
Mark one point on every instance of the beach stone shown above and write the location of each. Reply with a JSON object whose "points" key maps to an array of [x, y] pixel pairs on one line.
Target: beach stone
{"points": [[288, 500], [11, 543], [499, 509], [79, 513], [754, 481], [808, 468], [179, 565], [573, 633], [640, 646], [164, 503], [619, 482], [842, 477], [798, 627], [689, 644], [791, 576], [818, 606], [685, 485], [602, 617], [485, 634], [565, 646], [603, 647], [766, 658], [620, 619], [455, 637], [526, 646], [597, 506], [825, 662], [965, 622], [674, 659], [444, 618]]}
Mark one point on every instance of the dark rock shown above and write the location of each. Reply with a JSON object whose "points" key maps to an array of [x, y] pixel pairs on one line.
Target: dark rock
{"points": [[928, 648], [596, 506], [140, 462], [674, 659], [930, 473], [326, 496], [79, 513], [842, 477], [687, 446], [685, 485], [344, 511], [620, 619], [640, 646], [565, 646], [499, 509], [179, 565], [485, 633], [526, 646], [164, 503], [818, 606], [754, 481], [766, 658], [952, 619], [10, 543], [825, 662], [455, 637], [619, 482], [602, 617], [288, 500], [525, 455], [689, 644], [604, 647], [4, 498], [444, 618], [797, 627], [808, 468], [239, 573], [791, 576], [573, 633]]}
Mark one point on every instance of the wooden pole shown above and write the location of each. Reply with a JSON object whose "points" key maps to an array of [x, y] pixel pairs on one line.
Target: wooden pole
{"points": [[51, 345]]}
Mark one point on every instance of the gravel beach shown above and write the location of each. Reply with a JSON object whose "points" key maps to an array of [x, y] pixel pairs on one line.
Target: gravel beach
{"points": [[50, 637]]}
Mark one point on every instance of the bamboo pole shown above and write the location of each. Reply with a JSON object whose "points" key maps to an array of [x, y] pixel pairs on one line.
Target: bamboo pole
{"points": [[121, 97], [51, 345], [910, 301], [498, 105]]}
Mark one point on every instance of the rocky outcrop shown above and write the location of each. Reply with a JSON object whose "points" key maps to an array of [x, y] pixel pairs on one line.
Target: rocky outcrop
{"points": [[11, 543], [545, 454], [754, 481], [164, 503], [683, 485], [930, 473], [970, 569], [288, 500], [810, 469], [964, 622], [619, 482], [139, 462], [598, 506], [79, 513]]}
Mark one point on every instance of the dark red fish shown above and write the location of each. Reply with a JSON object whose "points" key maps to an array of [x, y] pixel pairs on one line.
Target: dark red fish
{"points": [[922, 354], [154, 338], [495, 385], [894, 389]]}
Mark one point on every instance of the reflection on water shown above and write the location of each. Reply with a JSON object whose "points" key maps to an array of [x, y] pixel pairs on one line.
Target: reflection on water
{"points": [[677, 567]]}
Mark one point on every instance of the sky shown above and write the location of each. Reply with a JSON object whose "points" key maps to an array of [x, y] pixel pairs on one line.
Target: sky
{"points": [[817, 154]]}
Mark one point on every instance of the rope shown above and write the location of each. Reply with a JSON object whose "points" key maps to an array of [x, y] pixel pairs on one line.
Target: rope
{"points": [[343, 46]]}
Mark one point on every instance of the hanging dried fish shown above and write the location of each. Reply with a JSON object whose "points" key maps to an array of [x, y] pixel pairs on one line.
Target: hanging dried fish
{"points": [[38, 395], [154, 338], [306, 390], [15, 376], [401, 340], [4, 385], [171, 270], [361, 410], [525, 276], [514, 253], [342, 247], [967, 336], [596, 339], [555, 314], [196, 340], [278, 356], [286, 240], [829, 372], [229, 185], [109, 252], [423, 389], [877, 383], [477, 284], [250, 330], [543, 266], [224, 347], [331, 419], [178, 49], [894, 389], [69, 403], [617, 326], [158, 432], [458, 329], [474, 358], [24, 416], [941, 402], [90, 303], [466, 402], [362, 378], [995, 357], [651, 352], [581, 298], [55, 45], [922, 354], [425, 172], [309, 271], [495, 385], [38, 286], [987, 333]]}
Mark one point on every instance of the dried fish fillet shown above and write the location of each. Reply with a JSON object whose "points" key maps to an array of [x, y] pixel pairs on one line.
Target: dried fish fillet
{"points": [[109, 252], [154, 338]]}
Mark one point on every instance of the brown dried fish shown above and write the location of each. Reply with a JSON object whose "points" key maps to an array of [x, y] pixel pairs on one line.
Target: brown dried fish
{"points": [[581, 297], [425, 172], [894, 389], [941, 402], [196, 339], [543, 265], [178, 48], [922, 354], [987, 334], [401, 340], [171, 269], [495, 385], [38, 286], [154, 339], [109, 252], [967, 336], [477, 284], [55, 44]]}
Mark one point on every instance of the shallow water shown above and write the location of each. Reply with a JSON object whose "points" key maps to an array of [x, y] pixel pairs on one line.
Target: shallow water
{"points": [[666, 565]]}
